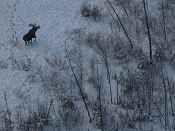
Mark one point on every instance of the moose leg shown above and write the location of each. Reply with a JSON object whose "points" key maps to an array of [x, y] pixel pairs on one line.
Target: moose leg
{"points": [[34, 38], [31, 41], [27, 43]]}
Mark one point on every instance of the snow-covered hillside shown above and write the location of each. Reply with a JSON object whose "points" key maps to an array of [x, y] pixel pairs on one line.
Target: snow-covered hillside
{"points": [[81, 67], [20, 63]]}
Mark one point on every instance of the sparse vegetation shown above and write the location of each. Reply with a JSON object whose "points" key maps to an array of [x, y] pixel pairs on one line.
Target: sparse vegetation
{"points": [[91, 11], [117, 73]]}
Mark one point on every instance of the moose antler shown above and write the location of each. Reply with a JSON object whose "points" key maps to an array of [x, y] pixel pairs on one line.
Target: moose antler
{"points": [[32, 25]]}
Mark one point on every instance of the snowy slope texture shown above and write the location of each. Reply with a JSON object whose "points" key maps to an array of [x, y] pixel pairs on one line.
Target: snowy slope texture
{"points": [[81, 73]]}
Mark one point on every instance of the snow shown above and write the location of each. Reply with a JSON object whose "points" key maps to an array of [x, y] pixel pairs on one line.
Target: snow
{"points": [[57, 19]]}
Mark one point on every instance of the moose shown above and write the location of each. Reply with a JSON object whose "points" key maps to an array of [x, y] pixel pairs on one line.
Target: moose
{"points": [[31, 33]]}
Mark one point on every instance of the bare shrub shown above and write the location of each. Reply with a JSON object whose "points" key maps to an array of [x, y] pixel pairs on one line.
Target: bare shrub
{"points": [[53, 77], [24, 64], [111, 46], [125, 120], [173, 61], [91, 11], [138, 54], [137, 93], [3, 64], [160, 55], [70, 114], [34, 120], [102, 117], [7, 124]]}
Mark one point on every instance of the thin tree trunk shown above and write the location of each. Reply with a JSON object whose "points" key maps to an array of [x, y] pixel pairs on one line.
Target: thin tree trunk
{"points": [[50, 105], [123, 27], [165, 101], [109, 77], [170, 95], [8, 123], [99, 96], [123, 7], [117, 83], [114, 20], [106, 62], [78, 85], [148, 30], [164, 21]]}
